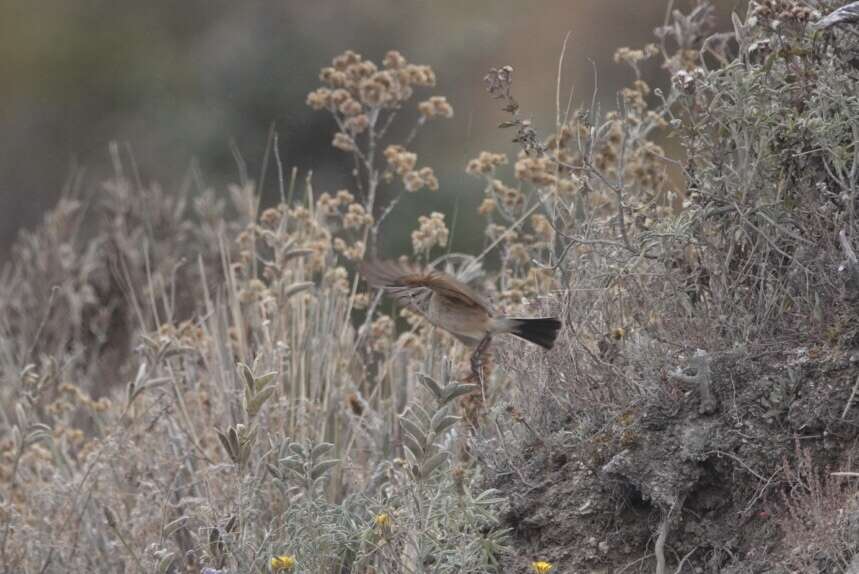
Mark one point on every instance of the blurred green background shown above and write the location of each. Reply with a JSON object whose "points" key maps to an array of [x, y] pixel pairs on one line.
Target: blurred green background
{"points": [[179, 81]]}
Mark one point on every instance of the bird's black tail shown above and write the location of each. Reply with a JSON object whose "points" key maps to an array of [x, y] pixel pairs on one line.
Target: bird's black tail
{"points": [[542, 331]]}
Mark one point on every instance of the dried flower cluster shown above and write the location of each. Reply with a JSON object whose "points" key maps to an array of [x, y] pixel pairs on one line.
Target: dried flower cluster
{"points": [[364, 100], [354, 84], [431, 232], [402, 162]]}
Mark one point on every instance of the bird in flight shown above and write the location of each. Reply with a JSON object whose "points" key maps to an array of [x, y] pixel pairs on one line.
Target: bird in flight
{"points": [[450, 304]]}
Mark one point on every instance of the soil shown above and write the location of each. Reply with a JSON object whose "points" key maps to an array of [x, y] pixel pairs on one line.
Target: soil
{"points": [[718, 473]]}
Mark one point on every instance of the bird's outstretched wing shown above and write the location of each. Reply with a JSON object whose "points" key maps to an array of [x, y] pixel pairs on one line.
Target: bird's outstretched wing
{"points": [[412, 286]]}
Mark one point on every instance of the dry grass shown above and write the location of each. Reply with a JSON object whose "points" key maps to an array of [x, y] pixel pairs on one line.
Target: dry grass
{"points": [[201, 385]]}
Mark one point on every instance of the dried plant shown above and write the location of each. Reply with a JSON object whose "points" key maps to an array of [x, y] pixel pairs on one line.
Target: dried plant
{"points": [[203, 385]]}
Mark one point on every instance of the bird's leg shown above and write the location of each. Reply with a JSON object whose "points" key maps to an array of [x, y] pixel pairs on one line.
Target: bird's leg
{"points": [[477, 356]]}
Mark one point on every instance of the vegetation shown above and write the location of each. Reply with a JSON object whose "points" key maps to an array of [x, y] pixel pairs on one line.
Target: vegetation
{"points": [[195, 383]]}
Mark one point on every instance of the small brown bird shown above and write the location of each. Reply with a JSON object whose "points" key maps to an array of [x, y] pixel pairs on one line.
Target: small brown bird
{"points": [[450, 304]]}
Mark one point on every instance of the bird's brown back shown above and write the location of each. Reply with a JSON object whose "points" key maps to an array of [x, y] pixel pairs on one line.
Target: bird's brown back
{"points": [[410, 283]]}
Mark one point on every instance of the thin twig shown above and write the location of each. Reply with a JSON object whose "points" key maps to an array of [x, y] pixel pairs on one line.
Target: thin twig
{"points": [[47, 314], [850, 400]]}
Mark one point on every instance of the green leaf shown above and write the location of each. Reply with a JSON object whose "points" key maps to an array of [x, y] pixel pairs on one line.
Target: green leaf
{"points": [[439, 414], [172, 527], [321, 450], [431, 384], [225, 442], [320, 469], [273, 471], [294, 465], [263, 380], [258, 400], [433, 463], [235, 445], [247, 375], [21, 415], [37, 435], [445, 423], [165, 565], [454, 390], [298, 449], [417, 432], [489, 497], [411, 443], [421, 415]]}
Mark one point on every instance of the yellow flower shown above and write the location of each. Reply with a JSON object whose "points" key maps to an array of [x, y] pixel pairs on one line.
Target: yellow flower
{"points": [[382, 520], [282, 563], [541, 567]]}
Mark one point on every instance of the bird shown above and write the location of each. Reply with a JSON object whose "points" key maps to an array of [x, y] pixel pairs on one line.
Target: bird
{"points": [[453, 306]]}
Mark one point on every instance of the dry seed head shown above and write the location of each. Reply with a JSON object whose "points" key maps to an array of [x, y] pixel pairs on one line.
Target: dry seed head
{"points": [[361, 71], [327, 205], [487, 206], [343, 196], [360, 301], [356, 217], [569, 185], [354, 252], [423, 76], [340, 96], [357, 124], [374, 93], [400, 160], [542, 227], [319, 99], [413, 181], [494, 231], [429, 178], [382, 334], [518, 253], [412, 318], [431, 231], [413, 343], [628, 55], [393, 60], [333, 78], [346, 59], [343, 142], [537, 170], [485, 163], [350, 107], [271, 217], [338, 279], [634, 100], [436, 106], [510, 197]]}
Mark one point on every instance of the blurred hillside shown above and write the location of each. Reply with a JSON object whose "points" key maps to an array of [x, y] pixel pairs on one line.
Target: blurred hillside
{"points": [[179, 81]]}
